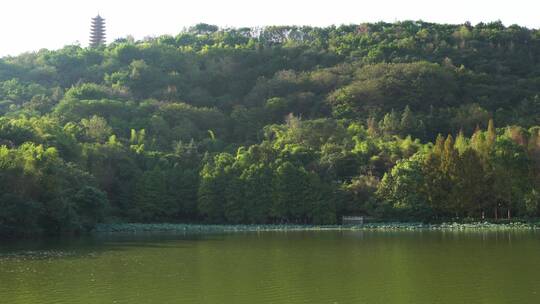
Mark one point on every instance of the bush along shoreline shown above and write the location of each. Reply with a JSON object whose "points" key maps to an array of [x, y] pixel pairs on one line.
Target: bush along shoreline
{"points": [[386, 226]]}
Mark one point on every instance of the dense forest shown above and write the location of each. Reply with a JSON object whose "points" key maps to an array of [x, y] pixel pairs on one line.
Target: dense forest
{"points": [[400, 121]]}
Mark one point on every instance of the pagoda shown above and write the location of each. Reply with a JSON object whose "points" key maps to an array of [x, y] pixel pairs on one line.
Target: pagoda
{"points": [[97, 33]]}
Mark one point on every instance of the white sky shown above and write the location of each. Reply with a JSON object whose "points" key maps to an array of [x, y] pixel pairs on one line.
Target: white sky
{"points": [[29, 25]]}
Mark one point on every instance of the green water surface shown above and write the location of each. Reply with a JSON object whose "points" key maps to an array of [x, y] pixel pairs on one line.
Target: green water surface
{"points": [[276, 267]]}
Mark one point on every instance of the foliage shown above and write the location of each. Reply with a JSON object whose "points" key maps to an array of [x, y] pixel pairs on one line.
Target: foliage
{"points": [[282, 124]]}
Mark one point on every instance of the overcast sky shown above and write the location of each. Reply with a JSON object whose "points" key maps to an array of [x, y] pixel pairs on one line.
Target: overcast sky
{"points": [[29, 25]]}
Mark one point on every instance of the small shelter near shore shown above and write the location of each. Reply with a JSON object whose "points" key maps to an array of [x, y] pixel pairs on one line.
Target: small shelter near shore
{"points": [[354, 220]]}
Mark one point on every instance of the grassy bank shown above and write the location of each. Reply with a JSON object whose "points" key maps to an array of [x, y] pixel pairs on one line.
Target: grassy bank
{"points": [[168, 227]]}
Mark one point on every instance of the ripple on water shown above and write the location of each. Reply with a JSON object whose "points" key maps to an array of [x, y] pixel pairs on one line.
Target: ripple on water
{"points": [[314, 267]]}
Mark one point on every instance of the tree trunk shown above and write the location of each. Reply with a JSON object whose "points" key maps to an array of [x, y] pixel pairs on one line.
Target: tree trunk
{"points": [[508, 214], [496, 214]]}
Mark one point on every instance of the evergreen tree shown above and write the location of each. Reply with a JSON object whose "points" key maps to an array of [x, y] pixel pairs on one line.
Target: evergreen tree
{"points": [[461, 144], [439, 146], [153, 198], [408, 122], [390, 124], [470, 185], [491, 134], [257, 180]]}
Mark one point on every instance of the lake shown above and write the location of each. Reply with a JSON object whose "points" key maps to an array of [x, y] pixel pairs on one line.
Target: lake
{"points": [[276, 267]]}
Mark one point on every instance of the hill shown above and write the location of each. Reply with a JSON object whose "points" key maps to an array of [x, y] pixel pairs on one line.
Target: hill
{"points": [[273, 125]]}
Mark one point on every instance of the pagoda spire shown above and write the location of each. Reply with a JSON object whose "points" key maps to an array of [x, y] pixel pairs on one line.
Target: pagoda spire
{"points": [[97, 32]]}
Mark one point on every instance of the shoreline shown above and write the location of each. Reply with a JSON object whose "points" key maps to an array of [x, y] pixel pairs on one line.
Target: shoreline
{"points": [[386, 226]]}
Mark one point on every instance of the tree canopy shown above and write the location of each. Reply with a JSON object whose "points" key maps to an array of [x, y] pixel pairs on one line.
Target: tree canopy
{"points": [[281, 124]]}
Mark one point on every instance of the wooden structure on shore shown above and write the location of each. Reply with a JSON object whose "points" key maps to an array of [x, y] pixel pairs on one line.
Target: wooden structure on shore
{"points": [[354, 220]]}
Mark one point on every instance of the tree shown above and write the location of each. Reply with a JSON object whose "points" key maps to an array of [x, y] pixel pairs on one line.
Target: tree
{"points": [[461, 144], [291, 194], [491, 134], [408, 122], [532, 202], [96, 128], [153, 197], [215, 177], [203, 29], [91, 204], [235, 204], [390, 125], [510, 171], [257, 181], [403, 190], [470, 184], [19, 216]]}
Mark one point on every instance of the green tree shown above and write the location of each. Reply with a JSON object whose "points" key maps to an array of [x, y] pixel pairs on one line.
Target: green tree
{"points": [[257, 181], [291, 192], [403, 190], [19, 216], [153, 197], [96, 128], [91, 204], [215, 177]]}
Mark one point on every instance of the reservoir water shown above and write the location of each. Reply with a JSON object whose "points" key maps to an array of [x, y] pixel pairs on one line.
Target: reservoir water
{"points": [[276, 267]]}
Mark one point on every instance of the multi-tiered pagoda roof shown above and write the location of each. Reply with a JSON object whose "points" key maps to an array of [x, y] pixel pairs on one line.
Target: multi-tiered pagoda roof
{"points": [[97, 33]]}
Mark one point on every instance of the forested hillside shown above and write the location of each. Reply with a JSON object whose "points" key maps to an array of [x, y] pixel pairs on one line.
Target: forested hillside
{"points": [[407, 121]]}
